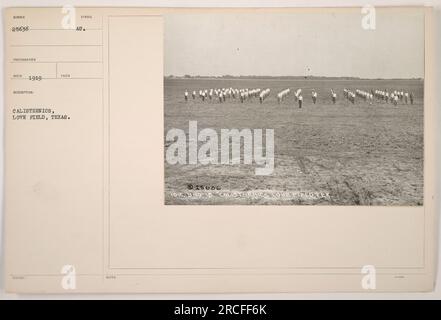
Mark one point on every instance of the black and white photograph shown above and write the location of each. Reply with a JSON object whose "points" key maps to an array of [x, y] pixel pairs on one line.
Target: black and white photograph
{"points": [[294, 108]]}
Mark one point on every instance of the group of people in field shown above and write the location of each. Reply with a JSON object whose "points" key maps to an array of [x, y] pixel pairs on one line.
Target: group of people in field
{"points": [[394, 96], [366, 96], [297, 96], [264, 94], [282, 94], [348, 94], [244, 94], [222, 94]]}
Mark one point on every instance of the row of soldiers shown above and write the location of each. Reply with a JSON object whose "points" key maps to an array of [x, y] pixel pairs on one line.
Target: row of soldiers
{"points": [[282, 94], [382, 95], [394, 96], [299, 98], [222, 94], [364, 95], [264, 94], [244, 94], [348, 94]]}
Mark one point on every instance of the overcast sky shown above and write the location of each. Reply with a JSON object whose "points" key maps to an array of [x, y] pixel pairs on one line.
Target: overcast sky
{"points": [[296, 44]]}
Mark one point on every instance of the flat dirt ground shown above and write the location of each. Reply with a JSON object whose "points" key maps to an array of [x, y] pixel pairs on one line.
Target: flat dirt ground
{"points": [[352, 154]]}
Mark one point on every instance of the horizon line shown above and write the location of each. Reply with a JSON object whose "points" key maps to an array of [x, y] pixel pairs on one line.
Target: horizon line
{"points": [[297, 77]]}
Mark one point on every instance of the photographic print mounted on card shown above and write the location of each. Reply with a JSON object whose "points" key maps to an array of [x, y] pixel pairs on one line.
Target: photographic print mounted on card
{"points": [[294, 108]]}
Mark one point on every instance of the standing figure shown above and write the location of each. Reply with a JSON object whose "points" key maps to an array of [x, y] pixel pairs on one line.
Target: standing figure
{"points": [[300, 101], [186, 95], [314, 96]]}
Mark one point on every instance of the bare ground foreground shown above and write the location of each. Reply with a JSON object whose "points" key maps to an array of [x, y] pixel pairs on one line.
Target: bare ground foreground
{"points": [[328, 154]]}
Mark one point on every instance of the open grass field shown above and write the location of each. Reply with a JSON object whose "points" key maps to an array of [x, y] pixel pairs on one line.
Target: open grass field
{"points": [[353, 154]]}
